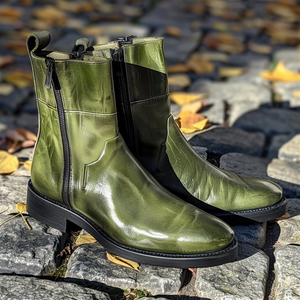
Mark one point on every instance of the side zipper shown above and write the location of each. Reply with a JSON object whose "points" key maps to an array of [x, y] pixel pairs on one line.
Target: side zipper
{"points": [[52, 81], [120, 71]]}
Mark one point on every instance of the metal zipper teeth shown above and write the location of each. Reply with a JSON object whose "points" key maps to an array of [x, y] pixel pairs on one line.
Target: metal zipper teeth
{"points": [[125, 99], [65, 141]]}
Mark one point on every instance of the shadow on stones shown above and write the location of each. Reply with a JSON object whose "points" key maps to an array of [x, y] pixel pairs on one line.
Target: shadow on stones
{"points": [[180, 297]]}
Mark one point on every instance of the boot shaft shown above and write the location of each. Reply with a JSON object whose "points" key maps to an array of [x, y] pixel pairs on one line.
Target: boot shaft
{"points": [[75, 100], [141, 87]]}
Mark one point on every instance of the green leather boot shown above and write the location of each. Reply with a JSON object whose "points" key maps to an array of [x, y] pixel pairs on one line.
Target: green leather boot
{"points": [[141, 87], [83, 172]]}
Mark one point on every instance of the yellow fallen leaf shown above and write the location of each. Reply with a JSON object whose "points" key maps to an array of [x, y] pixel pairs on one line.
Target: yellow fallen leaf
{"points": [[280, 73], [178, 68], [177, 121], [27, 165], [173, 31], [21, 207], [8, 163], [180, 80], [50, 15], [230, 71], [20, 78], [85, 239], [182, 98], [187, 130], [296, 94], [122, 261], [92, 30], [200, 67], [192, 107], [201, 125]]}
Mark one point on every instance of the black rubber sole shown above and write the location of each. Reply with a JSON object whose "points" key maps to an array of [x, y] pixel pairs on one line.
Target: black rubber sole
{"points": [[59, 216], [254, 215]]}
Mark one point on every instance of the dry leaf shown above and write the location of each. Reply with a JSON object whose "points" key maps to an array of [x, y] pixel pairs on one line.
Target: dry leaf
{"points": [[258, 48], [193, 270], [296, 94], [179, 68], [6, 60], [173, 31], [85, 239], [230, 71], [50, 15], [6, 89], [20, 78], [284, 217], [195, 9], [8, 163], [122, 261], [27, 165], [200, 67], [14, 135], [210, 56], [224, 42], [190, 122], [180, 80], [182, 98], [21, 145], [28, 135], [280, 73], [17, 46], [192, 107], [75, 7], [93, 30], [11, 13]]}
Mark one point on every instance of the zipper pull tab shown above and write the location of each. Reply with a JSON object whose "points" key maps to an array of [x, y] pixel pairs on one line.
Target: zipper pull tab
{"points": [[50, 67]]}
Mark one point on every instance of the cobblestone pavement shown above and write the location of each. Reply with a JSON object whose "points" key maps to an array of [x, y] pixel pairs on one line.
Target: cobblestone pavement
{"points": [[256, 132]]}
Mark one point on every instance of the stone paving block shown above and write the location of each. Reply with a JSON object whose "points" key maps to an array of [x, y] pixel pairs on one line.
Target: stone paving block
{"points": [[287, 272], [284, 170], [6, 122], [252, 234], [256, 167], [202, 151], [223, 140], [285, 93], [239, 109], [214, 111], [232, 92], [28, 252], [291, 149], [89, 263], [287, 55], [290, 227], [270, 121], [276, 143], [243, 279], [31, 288], [28, 121], [13, 190]]}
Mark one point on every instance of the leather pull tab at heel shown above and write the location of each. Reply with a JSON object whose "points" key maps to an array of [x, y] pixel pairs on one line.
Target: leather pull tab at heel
{"points": [[38, 41]]}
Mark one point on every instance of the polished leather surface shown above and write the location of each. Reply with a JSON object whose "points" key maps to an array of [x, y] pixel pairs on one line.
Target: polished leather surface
{"points": [[107, 184], [169, 157], [214, 186]]}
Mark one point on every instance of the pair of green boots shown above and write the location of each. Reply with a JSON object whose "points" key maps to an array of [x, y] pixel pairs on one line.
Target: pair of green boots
{"points": [[143, 193]]}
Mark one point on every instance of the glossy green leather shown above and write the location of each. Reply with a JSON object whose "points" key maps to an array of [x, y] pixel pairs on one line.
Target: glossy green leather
{"points": [[107, 184], [164, 151]]}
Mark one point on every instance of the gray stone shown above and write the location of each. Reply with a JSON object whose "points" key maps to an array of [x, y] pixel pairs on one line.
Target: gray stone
{"points": [[25, 153], [28, 121], [177, 49], [223, 140], [251, 76], [252, 234], [232, 92], [284, 92], [31, 288], [150, 298], [243, 279], [256, 167], [13, 190], [6, 122], [270, 121], [28, 252], [290, 226], [291, 149], [214, 111], [89, 263], [239, 109], [287, 55], [201, 151], [276, 143], [284, 170], [287, 272]]}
